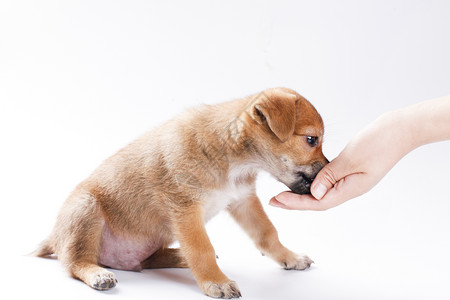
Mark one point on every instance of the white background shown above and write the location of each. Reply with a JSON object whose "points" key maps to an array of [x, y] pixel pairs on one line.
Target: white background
{"points": [[80, 79]]}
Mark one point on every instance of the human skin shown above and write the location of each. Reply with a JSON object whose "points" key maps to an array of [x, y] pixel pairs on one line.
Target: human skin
{"points": [[372, 153]]}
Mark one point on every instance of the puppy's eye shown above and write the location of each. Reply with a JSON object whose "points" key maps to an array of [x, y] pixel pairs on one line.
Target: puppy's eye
{"points": [[312, 140]]}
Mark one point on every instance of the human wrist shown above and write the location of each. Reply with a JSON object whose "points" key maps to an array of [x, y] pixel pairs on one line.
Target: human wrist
{"points": [[403, 128]]}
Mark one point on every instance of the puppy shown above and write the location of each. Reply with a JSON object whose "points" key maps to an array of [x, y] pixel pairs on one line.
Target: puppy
{"points": [[168, 183]]}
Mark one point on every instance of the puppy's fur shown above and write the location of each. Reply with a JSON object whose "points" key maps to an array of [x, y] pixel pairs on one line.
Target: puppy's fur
{"points": [[166, 184]]}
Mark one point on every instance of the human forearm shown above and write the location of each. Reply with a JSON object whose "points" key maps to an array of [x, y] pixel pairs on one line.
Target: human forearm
{"points": [[427, 122]]}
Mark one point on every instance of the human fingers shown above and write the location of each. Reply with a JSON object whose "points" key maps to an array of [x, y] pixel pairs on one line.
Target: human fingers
{"points": [[288, 200], [327, 177], [345, 189], [349, 187]]}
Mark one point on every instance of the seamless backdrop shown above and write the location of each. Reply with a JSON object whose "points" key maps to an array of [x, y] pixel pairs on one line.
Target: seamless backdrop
{"points": [[80, 79]]}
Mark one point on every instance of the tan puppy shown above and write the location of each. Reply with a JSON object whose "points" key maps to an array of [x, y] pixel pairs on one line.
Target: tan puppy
{"points": [[166, 184]]}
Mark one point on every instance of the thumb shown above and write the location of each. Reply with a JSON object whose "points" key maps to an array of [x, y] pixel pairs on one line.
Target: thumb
{"points": [[326, 179]]}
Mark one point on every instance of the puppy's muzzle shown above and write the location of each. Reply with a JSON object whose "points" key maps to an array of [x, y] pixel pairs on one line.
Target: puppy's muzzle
{"points": [[303, 184]]}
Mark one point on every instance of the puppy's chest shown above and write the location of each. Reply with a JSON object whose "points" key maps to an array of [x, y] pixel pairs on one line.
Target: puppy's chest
{"points": [[239, 187], [219, 199]]}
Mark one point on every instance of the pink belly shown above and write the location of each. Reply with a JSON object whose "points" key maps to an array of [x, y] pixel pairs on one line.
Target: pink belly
{"points": [[118, 252]]}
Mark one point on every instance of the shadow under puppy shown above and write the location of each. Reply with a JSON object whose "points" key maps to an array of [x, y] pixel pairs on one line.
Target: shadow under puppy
{"points": [[168, 183]]}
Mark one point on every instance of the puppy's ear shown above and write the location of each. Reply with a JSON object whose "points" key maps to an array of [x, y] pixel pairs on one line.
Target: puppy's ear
{"points": [[276, 107]]}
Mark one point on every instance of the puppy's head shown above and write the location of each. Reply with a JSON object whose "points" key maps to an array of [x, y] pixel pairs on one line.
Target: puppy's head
{"points": [[287, 133]]}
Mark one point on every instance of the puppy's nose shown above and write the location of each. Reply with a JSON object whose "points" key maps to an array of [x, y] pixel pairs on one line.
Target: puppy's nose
{"points": [[303, 184], [306, 179]]}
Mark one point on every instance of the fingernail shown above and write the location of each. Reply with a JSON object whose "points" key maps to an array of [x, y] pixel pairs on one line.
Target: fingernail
{"points": [[274, 202], [319, 191], [279, 197]]}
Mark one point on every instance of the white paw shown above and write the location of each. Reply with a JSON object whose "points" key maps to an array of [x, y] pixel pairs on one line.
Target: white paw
{"points": [[297, 262], [103, 281], [226, 290]]}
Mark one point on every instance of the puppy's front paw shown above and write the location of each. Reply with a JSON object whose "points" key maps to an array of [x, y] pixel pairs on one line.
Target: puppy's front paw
{"points": [[103, 281], [226, 290], [296, 262]]}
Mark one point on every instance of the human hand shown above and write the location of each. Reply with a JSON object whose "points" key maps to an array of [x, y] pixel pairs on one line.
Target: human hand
{"points": [[358, 168], [372, 153]]}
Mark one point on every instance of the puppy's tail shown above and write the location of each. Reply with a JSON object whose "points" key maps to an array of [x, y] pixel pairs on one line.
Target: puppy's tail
{"points": [[44, 250]]}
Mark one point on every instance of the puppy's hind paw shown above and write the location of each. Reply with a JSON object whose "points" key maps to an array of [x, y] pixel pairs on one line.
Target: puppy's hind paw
{"points": [[104, 281]]}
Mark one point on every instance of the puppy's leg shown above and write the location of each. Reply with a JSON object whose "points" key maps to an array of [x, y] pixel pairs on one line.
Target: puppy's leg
{"points": [[200, 256], [93, 275], [165, 258], [251, 217], [78, 234]]}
